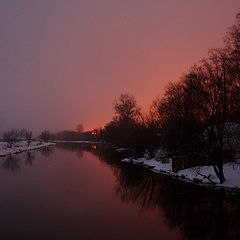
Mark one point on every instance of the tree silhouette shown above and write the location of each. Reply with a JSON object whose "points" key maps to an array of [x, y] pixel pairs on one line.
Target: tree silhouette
{"points": [[79, 128]]}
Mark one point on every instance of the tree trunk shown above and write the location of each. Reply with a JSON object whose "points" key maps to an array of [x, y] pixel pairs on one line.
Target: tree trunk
{"points": [[217, 161], [219, 172]]}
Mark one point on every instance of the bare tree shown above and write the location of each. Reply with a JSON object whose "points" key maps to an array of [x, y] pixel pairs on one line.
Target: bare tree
{"points": [[27, 135], [211, 86], [203, 102], [232, 59], [45, 135], [11, 137], [79, 128], [126, 108], [126, 123]]}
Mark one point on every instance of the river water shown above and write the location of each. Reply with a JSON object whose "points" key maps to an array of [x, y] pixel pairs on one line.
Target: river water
{"points": [[80, 191]]}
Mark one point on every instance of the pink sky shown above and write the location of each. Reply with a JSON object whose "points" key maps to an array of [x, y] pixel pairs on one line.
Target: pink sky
{"points": [[64, 62]]}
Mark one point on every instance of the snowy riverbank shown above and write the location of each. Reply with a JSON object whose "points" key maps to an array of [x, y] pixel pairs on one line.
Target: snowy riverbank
{"points": [[201, 175], [21, 146]]}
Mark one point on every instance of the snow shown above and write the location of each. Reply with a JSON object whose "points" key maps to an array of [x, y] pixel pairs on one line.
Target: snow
{"points": [[20, 146], [121, 149], [231, 173], [201, 174], [152, 163]]}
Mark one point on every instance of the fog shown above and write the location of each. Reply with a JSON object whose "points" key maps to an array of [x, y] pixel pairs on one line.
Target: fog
{"points": [[64, 62]]}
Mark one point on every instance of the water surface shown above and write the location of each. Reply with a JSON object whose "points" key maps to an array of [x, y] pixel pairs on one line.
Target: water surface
{"points": [[73, 191]]}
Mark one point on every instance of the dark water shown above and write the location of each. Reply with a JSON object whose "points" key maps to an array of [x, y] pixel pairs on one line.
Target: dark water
{"points": [[74, 191]]}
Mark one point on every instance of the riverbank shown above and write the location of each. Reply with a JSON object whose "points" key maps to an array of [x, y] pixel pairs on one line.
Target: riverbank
{"points": [[201, 175], [21, 146]]}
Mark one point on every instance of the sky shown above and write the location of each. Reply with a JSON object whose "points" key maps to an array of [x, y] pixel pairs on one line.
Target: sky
{"points": [[63, 62]]}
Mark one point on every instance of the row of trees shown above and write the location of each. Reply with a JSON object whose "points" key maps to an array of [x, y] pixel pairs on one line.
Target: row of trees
{"points": [[129, 127], [78, 135], [15, 135], [193, 113]]}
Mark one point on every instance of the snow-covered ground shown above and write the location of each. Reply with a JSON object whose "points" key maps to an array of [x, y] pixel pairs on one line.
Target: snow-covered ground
{"points": [[121, 149], [20, 147], [200, 175], [231, 173]]}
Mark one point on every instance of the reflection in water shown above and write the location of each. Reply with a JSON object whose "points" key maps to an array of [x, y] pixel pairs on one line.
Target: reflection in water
{"points": [[198, 212], [11, 163], [14, 162], [29, 158], [46, 151], [94, 146], [73, 147]]}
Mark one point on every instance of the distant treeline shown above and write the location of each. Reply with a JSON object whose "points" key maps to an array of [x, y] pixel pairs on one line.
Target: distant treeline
{"points": [[76, 136], [14, 135], [192, 114]]}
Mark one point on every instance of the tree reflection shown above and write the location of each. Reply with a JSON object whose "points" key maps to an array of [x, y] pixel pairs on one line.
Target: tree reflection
{"points": [[197, 212], [46, 151], [78, 148], [29, 158], [134, 188], [11, 163]]}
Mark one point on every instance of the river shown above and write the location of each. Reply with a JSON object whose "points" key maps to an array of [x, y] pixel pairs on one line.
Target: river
{"points": [[81, 191]]}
